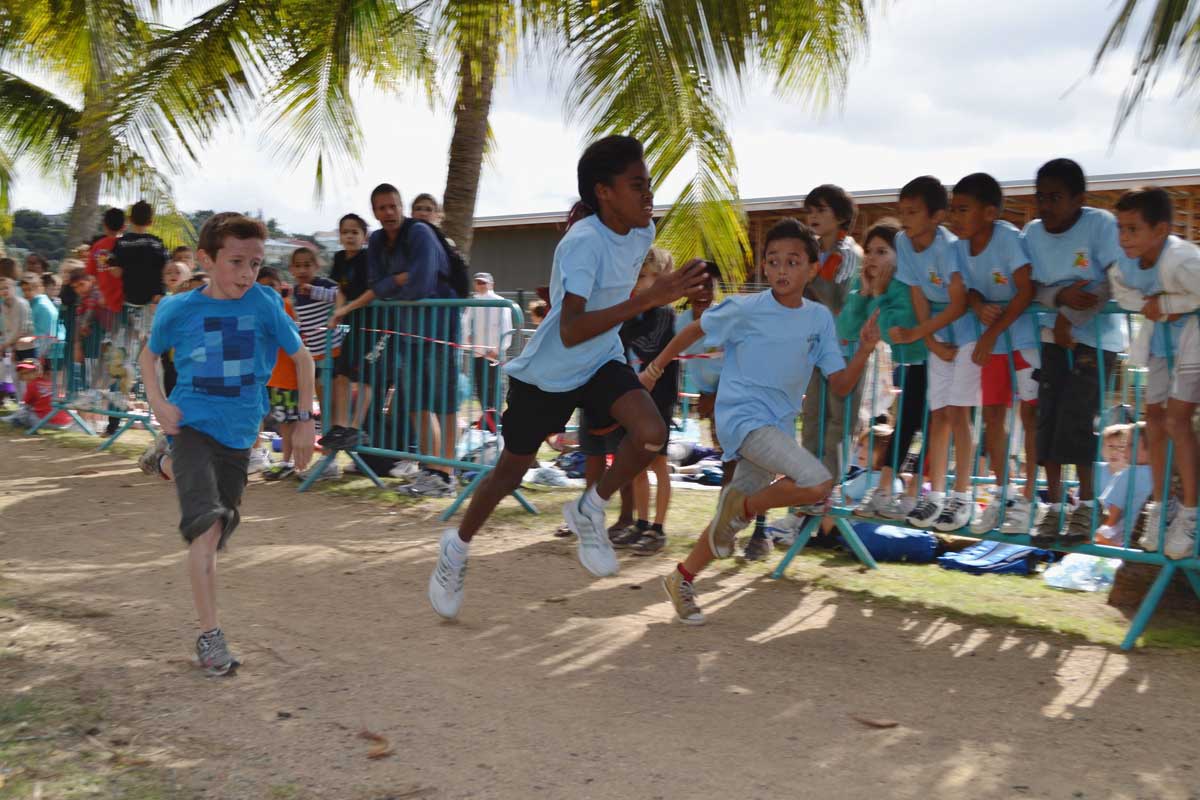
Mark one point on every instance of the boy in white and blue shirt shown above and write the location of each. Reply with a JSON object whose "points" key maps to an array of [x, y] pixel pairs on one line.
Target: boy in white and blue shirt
{"points": [[930, 262], [1071, 247], [1158, 275], [1000, 289], [772, 342]]}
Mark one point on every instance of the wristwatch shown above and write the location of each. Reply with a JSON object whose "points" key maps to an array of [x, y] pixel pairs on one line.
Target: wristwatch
{"points": [[304, 416]]}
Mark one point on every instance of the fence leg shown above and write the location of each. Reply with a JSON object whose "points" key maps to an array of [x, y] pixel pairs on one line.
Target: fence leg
{"points": [[1193, 576], [364, 469], [802, 536], [851, 537], [1149, 604], [315, 471], [525, 504], [126, 424], [81, 422], [463, 495]]}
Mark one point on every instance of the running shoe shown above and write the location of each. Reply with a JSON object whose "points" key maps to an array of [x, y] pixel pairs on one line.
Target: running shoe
{"points": [[683, 597], [404, 469], [150, 461], [728, 520], [1017, 517], [279, 471], [1152, 513], [595, 550], [259, 461], [1047, 531], [1181, 536], [956, 513], [872, 504], [331, 472], [1079, 526], [627, 536], [898, 506], [213, 656], [651, 542], [429, 483], [757, 549], [926, 512], [446, 582]]}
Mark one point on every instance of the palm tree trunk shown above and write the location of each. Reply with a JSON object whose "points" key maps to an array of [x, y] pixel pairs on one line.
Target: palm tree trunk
{"points": [[84, 216], [476, 75]]}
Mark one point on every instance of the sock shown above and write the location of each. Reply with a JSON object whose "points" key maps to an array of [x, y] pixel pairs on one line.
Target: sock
{"points": [[215, 632], [457, 549], [642, 525], [963, 496], [1087, 503], [658, 528], [687, 576], [937, 497], [591, 501]]}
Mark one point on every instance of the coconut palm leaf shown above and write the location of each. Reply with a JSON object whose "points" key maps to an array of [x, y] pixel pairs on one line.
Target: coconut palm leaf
{"points": [[1172, 34], [127, 173], [37, 125]]}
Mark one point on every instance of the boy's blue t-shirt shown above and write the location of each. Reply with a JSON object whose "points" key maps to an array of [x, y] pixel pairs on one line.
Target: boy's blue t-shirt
{"points": [[931, 271], [1116, 493], [770, 353], [601, 266], [703, 374], [224, 353], [1083, 252], [1147, 282], [991, 275]]}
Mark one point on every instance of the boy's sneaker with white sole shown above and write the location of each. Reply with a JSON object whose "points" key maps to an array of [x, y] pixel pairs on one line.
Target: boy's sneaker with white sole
{"points": [[683, 597], [595, 550], [449, 575], [926, 512]]}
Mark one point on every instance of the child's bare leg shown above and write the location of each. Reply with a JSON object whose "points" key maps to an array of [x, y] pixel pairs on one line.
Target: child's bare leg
{"points": [[1087, 474], [1179, 429], [362, 405], [1156, 440], [1054, 481], [641, 494], [285, 433], [964, 448], [699, 558], [645, 433], [938, 454], [994, 438], [341, 400], [1029, 427], [202, 573], [502, 481], [783, 493], [662, 491]]}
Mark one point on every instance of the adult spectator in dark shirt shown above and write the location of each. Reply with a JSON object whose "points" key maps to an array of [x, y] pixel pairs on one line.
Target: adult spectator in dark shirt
{"points": [[139, 257], [406, 261]]}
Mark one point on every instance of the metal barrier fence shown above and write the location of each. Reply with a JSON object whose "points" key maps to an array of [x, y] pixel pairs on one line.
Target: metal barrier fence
{"points": [[1122, 389], [403, 375], [96, 369]]}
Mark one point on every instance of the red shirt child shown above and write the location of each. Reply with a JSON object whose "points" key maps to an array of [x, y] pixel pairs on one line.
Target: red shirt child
{"points": [[39, 395]]}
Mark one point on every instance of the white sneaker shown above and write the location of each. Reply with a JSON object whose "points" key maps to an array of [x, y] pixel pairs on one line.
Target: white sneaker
{"points": [[1181, 536], [446, 582], [989, 519], [956, 513], [926, 512], [331, 472], [259, 461], [1017, 517], [596, 552], [1153, 523], [898, 506], [404, 469], [872, 504]]}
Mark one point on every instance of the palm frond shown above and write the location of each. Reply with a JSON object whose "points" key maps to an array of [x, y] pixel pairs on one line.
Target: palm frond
{"points": [[87, 44], [127, 174], [808, 47], [1172, 34], [37, 125], [7, 172]]}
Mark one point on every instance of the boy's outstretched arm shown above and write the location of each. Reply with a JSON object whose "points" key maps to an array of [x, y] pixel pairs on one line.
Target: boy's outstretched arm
{"points": [[1023, 278], [928, 325], [842, 382], [576, 325], [304, 432], [167, 413], [680, 342]]}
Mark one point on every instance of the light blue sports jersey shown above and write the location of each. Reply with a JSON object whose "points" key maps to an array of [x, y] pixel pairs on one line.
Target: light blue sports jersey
{"points": [[599, 265], [770, 353], [702, 373], [1148, 283], [224, 353], [931, 270], [1083, 252], [991, 275], [1116, 493]]}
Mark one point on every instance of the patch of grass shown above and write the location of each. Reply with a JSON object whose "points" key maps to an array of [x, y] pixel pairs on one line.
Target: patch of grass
{"points": [[130, 445]]}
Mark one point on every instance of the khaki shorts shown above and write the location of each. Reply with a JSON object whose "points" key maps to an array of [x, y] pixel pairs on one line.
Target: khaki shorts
{"points": [[1178, 384]]}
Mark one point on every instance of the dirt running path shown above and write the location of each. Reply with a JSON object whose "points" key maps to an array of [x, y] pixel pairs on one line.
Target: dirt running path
{"points": [[552, 685]]}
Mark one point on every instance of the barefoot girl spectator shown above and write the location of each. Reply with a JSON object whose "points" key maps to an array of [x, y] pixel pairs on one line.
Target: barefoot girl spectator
{"points": [[575, 359]]}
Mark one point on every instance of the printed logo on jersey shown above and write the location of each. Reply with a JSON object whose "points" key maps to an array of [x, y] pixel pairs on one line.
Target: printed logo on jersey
{"points": [[224, 363], [1081, 260], [935, 279], [999, 278]]}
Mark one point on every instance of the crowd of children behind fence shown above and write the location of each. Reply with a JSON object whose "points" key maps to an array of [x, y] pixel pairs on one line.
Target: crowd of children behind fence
{"points": [[951, 303]]}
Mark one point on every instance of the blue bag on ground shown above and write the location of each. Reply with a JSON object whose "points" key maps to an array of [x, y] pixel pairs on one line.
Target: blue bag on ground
{"points": [[994, 558], [892, 543]]}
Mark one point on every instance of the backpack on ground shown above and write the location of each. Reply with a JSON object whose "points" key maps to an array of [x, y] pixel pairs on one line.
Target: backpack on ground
{"points": [[995, 558], [893, 543], [459, 279]]}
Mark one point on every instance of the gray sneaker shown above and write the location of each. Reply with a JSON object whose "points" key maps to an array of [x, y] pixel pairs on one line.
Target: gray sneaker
{"points": [[213, 656], [728, 520], [595, 551], [683, 597], [429, 483], [446, 582], [757, 549], [1046, 532], [1079, 526], [150, 461], [1150, 522], [627, 536]]}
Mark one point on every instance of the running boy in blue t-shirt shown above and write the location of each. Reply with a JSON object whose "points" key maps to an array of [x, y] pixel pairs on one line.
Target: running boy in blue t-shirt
{"points": [[1000, 289], [1071, 248], [929, 260], [772, 340], [1159, 276], [576, 360], [225, 337]]}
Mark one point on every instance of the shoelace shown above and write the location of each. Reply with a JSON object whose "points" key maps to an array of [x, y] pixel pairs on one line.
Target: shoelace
{"points": [[446, 573], [687, 595], [952, 507], [925, 508], [588, 535]]}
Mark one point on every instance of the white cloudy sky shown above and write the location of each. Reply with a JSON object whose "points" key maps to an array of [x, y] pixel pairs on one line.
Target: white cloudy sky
{"points": [[947, 87]]}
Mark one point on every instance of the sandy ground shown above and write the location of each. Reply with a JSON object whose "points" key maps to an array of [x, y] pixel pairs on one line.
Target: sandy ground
{"points": [[552, 684]]}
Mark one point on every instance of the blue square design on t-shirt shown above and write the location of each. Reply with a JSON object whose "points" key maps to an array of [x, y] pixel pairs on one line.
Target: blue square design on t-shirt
{"points": [[225, 365]]}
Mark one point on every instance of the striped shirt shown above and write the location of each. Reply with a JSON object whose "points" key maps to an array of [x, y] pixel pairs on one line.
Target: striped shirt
{"points": [[312, 312]]}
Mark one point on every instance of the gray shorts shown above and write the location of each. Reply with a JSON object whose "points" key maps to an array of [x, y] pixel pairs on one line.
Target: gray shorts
{"points": [[1182, 384], [767, 452], [209, 479]]}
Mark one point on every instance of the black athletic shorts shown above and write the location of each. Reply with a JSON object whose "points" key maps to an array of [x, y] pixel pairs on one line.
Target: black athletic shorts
{"points": [[1069, 402], [209, 480], [532, 414]]}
